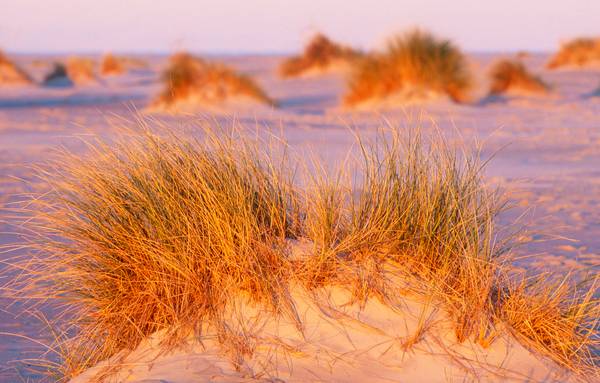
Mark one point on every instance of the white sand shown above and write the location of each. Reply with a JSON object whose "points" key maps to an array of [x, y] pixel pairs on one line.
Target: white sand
{"points": [[550, 167]]}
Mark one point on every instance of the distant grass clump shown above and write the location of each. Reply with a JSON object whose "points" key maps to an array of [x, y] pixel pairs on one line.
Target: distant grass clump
{"points": [[11, 74], [414, 64], [80, 70], [512, 76], [152, 233], [580, 52], [58, 76], [320, 54], [193, 81], [111, 66]]}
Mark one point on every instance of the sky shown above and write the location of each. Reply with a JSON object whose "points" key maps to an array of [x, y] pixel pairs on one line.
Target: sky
{"points": [[272, 26]]}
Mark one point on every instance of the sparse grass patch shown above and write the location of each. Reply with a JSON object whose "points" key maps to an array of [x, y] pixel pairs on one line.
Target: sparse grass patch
{"points": [[413, 65], [579, 52], [510, 76], [11, 74], [190, 79], [320, 54]]}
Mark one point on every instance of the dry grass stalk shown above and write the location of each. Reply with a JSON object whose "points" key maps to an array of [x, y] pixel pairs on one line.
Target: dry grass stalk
{"points": [[192, 79], [512, 76], [320, 54], [580, 52], [11, 74], [413, 65]]}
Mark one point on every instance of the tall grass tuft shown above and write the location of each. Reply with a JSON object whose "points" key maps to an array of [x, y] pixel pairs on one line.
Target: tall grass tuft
{"points": [[157, 234], [320, 54], [579, 52], [11, 74], [414, 63], [192, 79], [512, 76]]}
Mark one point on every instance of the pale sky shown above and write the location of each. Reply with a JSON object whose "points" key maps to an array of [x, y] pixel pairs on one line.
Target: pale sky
{"points": [[265, 26]]}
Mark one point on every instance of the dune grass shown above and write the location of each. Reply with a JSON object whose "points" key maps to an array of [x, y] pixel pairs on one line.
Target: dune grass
{"points": [[163, 233], [10, 73], [111, 65], [320, 54], [512, 76], [414, 62], [192, 79], [80, 70], [579, 52]]}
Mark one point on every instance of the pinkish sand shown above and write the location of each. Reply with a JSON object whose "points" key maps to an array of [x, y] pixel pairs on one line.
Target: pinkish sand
{"points": [[546, 154]]}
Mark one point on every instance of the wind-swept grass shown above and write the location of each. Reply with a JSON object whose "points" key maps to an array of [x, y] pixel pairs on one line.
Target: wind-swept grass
{"points": [[579, 52], [153, 233], [111, 65], [190, 79], [414, 63], [11, 74], [512, 76], [320, 54]]}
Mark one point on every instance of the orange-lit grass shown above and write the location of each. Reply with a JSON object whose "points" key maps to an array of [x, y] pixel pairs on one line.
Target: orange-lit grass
{"points": [[512, 76], [111, 65], [11, 74], [319, 54], [579, 52], [80, 70], [153, 234], [414, 61], [188, 77]]}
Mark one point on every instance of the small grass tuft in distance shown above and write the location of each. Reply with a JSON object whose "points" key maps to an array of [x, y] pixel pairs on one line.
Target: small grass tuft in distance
{"points": [[414, 63], [320, 54], [512, 76], [192, 79], [111, 65], [579, 52], [11, 74], [80, 70]]}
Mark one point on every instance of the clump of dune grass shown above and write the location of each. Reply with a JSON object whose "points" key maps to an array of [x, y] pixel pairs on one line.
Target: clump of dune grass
{"points": [[512, 76], [192, 80], [412, 66], [556, 317], [58, 76], [579, 52], [111, 65], [11, 74], [155, 234], [80, 70], [320, 54]]}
